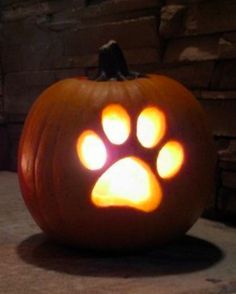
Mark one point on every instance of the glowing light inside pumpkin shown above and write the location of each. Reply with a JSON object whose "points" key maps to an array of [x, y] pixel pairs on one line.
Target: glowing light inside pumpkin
{"points": [[91, 150], [116, 123], [128, 182], [151, 126], [170, 159]]}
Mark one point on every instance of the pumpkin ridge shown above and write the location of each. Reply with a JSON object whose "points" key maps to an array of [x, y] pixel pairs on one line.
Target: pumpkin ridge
{"points": [[35, 197], [46, 127], [32, 204], [104, 93], [37, 112]]}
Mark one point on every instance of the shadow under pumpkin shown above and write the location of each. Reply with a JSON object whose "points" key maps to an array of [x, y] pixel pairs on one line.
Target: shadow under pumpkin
{"points": [[185, 255]]}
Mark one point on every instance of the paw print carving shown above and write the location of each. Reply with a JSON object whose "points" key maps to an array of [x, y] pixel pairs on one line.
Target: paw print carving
{"points": [[126, 179]]}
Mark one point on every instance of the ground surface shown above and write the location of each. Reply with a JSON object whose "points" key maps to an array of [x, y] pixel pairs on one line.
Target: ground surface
{"points": [[203, 262]]}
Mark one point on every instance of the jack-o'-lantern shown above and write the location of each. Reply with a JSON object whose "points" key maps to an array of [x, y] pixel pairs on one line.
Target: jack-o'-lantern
{"points": [[124, 161]]}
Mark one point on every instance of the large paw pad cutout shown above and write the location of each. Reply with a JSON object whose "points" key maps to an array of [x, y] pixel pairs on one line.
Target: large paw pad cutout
{"points": [[130, 181]]}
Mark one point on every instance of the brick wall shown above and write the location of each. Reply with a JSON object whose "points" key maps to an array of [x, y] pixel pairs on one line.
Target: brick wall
{"points": [[192, 41]]}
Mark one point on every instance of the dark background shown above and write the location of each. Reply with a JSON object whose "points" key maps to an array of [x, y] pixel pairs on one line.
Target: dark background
{"points": [[192, 41]]}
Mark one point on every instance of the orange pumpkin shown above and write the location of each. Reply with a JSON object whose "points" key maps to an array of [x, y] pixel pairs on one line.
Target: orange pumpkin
{"points": [[124, 161]]}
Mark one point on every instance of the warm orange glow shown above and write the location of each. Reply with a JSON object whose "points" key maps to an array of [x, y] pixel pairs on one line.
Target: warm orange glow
{"points": [[151, 126], [128, 182], [170, 159], [91, 150], [116, 123]]}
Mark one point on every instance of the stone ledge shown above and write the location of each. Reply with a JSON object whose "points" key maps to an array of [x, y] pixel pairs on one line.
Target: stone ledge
{"points": [[220, 107], [211, 17], [229, 180], [134, 33], [200, 48], [104, 13], [118, 7], [182, 2], [172, 20], [196, 75], [20, 10], [22, 40], [221, 114], [225, 95], [199, 17], [226, 203], [21, 89], [59, 14], [73, 48], [228, 163], [224, 77], [228, 156], [191, 49]]}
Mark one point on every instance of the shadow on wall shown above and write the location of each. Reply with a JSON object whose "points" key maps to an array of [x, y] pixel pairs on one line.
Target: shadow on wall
{"points": [[188, 254]]}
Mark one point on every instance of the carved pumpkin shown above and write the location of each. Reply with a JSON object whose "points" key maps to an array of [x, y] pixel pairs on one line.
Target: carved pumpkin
{"points": [[124, 161]]}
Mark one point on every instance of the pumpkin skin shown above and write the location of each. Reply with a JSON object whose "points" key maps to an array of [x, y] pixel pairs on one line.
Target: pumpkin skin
{"points": [[56, 187]]}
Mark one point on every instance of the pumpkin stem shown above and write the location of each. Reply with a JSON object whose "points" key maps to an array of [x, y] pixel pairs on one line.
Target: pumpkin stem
{"points": [[112, 64]]}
